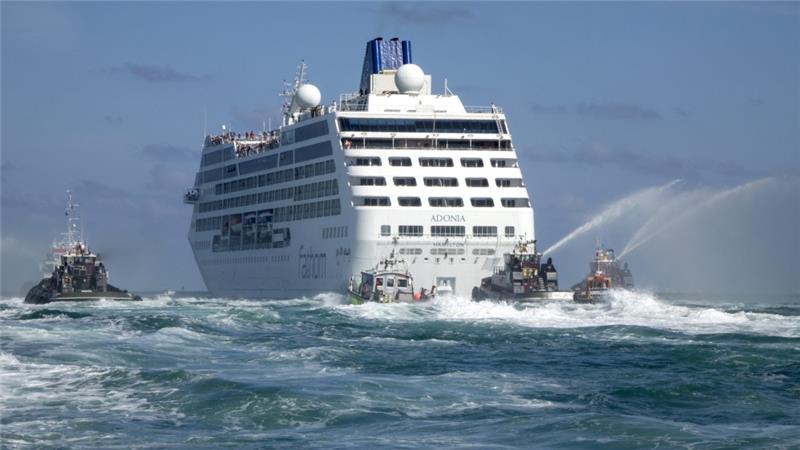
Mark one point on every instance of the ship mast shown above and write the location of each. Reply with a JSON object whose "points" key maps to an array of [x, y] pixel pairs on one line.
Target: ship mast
{"points": [[74, 233], [289, 91]]}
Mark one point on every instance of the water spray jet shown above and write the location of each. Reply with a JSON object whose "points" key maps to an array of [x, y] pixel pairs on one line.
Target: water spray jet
{"points": [[644, 233], [613, 211]]}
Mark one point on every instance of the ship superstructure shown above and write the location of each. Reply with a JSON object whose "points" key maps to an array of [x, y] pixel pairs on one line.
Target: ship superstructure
{"points": [[606, 263], [301, 209], [68, 240]]}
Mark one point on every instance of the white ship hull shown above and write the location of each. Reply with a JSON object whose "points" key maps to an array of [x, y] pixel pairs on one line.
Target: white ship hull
{"points": [[311, 265]]}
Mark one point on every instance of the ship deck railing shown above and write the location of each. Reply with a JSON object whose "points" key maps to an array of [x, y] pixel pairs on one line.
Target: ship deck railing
{"points": [[430, 144], [251, 143], [361, 106], [358, 102]]}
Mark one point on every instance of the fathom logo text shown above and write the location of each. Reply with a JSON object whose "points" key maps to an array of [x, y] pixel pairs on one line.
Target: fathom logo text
{"points": [[455, 218]]}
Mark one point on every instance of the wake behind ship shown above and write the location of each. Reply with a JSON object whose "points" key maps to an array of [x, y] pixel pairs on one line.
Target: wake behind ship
{"points": [[301, 209]]}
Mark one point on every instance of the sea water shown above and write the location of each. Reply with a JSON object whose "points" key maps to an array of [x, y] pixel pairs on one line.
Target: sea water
{"points": [[641, 371]]}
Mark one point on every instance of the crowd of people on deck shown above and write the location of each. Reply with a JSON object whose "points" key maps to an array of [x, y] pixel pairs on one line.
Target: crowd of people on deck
{"points": [[250, 143]]}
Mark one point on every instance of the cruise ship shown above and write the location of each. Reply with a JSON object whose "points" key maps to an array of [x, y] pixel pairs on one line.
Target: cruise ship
{"points": [[301, 209]]}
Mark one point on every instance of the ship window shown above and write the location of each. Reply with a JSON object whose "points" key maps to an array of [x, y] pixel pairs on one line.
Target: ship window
{"points": [[419, 125], [409, 201], [389, 282], [483, 251], [449, 182], [503, 162], [258, 164], [371, 201], [410, 251], [482, 202], [212, 175], [509, 231], [447, 230], [410, 230], [509, 182], [311, 131], [400, 162], [312, 151], [212, 158], [386, 230], [484, 231], [287, 158], [515, 202], [477, 182], [367, 161], [405, 181], [372, 181], [447, 251], [436, 162], [402, 283], [471, 162], [287, 137], [446, 201]]}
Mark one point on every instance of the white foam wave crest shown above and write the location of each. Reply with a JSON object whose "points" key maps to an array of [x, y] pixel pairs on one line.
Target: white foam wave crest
{"points": [[455, 394], [634, 308], [34, 386]]}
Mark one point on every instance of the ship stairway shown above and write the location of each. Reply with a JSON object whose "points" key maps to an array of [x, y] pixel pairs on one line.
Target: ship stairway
{"points": [[500, 130]]}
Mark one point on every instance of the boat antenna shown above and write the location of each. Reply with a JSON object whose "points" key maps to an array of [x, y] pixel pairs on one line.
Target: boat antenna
{"points": [[447, 91], [73, 221]]}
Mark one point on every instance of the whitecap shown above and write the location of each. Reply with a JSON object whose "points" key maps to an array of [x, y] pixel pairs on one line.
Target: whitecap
{"points": [[632, 308]]}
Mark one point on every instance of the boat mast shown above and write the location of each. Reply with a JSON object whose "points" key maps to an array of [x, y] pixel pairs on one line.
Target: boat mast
{"points": [[289, 91], [74, 233]]}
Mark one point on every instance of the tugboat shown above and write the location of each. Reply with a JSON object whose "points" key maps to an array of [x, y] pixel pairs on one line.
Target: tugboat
{"points": [[79, 274], [595, 288], [605, 274], [388, 282], [523, 277]]}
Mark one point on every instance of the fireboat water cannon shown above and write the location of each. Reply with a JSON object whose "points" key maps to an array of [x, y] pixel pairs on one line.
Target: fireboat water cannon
{"points": [[522, 277], [300, 96]]}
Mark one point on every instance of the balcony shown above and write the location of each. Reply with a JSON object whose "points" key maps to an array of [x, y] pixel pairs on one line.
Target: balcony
{"points": [[191, 196]]}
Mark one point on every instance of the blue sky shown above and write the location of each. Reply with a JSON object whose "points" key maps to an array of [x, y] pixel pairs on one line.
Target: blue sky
{"points": [[603, 99]]}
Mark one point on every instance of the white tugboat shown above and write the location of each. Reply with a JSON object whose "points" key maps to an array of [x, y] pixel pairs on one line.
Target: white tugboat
{"points": [[79, 274], [388, 282]]}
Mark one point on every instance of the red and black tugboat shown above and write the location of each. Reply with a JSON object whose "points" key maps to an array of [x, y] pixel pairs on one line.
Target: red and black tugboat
{"points": [[605, 274]]}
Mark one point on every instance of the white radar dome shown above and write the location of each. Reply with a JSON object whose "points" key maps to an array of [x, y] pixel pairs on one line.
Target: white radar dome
{"points": [[409, 79], [307, 96]]}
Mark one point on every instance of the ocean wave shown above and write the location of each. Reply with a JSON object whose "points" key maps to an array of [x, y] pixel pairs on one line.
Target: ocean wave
{"points": [[32, 387], [632, 308]]}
